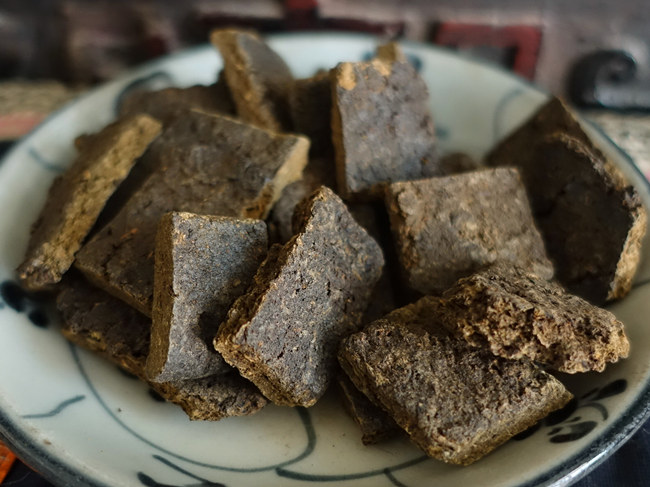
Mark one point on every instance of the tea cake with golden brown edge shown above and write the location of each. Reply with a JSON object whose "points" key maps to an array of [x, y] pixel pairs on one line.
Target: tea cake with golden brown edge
{"points": [[258, 79], [456, 402], [77, 197], [448, 227], [592, 220], [383, 299], [515, 314], [382, 128], [594, 225], [202, 264], [284, 332], [208, 164]]}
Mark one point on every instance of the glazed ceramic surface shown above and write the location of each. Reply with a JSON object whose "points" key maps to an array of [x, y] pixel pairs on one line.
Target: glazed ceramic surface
{"points": [[80, 421]]}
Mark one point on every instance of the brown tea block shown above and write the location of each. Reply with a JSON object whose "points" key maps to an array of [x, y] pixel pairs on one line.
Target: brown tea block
{"points": [[103, 324], [202, 264], [593, 227], [515, 315], [383, 299], [382, 129], [168, 104], [318, 172], [552, 117], [77, 197], [457, 403], [258, 79], [375, 424], [310, 102], [592, 220], [448, 227], [308, 294], [207, 164]]}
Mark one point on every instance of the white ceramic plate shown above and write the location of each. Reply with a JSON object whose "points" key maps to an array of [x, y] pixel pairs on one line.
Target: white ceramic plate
{"points": [[80, 421]]}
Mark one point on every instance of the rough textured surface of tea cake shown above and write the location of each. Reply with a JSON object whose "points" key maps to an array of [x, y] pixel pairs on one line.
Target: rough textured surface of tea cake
{"points": [[592, 220], [207, 165], [214, 397], [381, 126], [383, 299], [283, 334], [456, 403], [517, 315], [310, 102], [103, 324], [318, 172], [168, 104], [77, 197], [448, 227], [258, 79], [202, 264], [552, 117], [375, 424]]}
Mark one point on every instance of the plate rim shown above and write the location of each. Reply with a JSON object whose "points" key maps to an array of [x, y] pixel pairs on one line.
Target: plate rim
{"points": [[565, 473]]}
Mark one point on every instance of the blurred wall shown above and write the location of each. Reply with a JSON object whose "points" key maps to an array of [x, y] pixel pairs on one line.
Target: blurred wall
{"points": [[589, 50]]}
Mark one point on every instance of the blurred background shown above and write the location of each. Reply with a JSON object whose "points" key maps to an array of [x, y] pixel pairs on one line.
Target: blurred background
{"points": [[83, 42], [594, 53]]}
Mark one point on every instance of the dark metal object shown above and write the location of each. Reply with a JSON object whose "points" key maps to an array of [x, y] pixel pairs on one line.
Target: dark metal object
{"points": [[608, 79]]}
